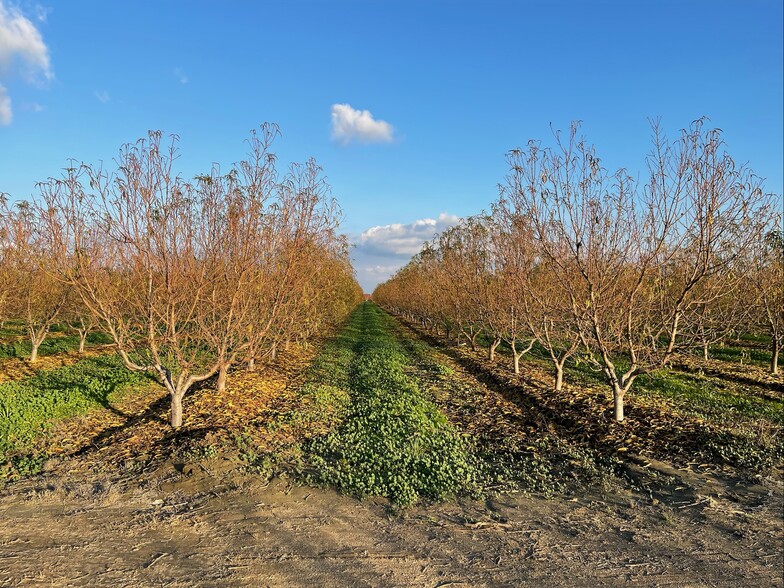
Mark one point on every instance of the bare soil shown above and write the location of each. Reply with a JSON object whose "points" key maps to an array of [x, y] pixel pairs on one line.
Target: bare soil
{"points": [[120, 506], [211, 530]]}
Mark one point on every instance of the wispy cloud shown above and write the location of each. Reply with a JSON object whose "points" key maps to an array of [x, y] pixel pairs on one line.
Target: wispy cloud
{"points": [[22, 46], [103, 96], [33, 107], [181, 76], [42, 12], [6, 115], [349, 124], [369, 275], [22, 52]]}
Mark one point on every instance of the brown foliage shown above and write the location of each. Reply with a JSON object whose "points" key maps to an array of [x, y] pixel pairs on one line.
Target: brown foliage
{"points": [[188, 277], [583, 260]]}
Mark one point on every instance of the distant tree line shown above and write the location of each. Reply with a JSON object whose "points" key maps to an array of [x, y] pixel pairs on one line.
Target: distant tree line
{"points": [[188, 277], [593, 266]]}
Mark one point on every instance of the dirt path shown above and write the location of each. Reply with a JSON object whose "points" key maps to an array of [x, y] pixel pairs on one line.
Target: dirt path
{"points": [[199, 531], [90, 521]]}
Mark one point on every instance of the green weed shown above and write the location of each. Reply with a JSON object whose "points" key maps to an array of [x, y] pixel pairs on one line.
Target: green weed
{"points": [[708, 399], [391, 441], [21, 348], [745, 355], [28, 407]]}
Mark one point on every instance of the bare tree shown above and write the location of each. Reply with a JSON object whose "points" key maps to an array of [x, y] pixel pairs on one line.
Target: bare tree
{"points": [[541, 301], [146, 251], [78, 318], [190, 277], [512, 300], [716, 311], [575, 256], [33, 293], [456, 278], [631, 259], [301, 223], [6, 251]]}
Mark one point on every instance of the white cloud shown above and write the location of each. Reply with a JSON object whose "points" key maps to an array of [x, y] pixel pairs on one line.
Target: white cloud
{"points": [[350, 125], [369, 276], [181, 76], [381, 272], [380, 251], [5, 107], [21, 43], [103, 96], [22, 50], [404, 240]]}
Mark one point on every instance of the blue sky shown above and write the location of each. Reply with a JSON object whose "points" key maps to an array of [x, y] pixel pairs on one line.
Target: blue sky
{"points": [[458, 84]]}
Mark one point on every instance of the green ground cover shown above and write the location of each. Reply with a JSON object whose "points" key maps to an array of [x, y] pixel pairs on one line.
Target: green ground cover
{"points": [[392, 440], [20, 347], [30, 406]]}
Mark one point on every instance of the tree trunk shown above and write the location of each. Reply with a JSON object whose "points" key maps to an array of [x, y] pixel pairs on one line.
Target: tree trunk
{"points": [[221, 384], [518, 354], [274, 352], [252, 364], [176, 410], [491, 351], [34, 352], [473, 341], [774, 360], [35, 341], [82, 340], [705, 351], [618, 394], [558, 377], [36, 338]]}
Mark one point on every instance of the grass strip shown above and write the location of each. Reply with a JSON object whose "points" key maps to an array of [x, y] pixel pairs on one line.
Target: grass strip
{"points": [[392, 441]]}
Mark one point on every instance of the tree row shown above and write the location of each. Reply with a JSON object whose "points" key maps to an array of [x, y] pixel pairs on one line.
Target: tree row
{"points": [[187, 277], [595, 266]]}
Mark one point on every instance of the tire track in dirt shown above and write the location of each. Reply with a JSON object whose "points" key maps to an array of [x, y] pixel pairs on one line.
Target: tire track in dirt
{"points": [[249, 534]]}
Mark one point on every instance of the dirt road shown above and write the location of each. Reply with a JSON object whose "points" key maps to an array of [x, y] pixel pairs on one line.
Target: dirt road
{"points": [[199, 531]]}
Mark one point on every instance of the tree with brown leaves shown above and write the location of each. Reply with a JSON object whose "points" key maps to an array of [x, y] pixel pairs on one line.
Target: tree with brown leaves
{"points": [[33, 293], [186, 277]]}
